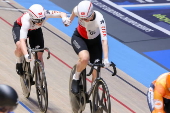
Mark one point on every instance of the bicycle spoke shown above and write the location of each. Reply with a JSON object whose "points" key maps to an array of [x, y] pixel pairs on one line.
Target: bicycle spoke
{"points": [[42, 93], [25, 79], [101, 99]]}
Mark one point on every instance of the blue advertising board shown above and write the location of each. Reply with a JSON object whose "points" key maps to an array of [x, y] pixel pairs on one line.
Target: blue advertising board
{"points": [[151, 19]]}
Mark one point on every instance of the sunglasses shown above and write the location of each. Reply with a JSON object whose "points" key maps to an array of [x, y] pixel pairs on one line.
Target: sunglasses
{"points": [[38, 20], [87, 17]]}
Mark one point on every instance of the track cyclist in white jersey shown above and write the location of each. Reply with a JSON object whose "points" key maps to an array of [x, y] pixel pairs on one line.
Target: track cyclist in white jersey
{"points": [[29, 26], [89, 39]]}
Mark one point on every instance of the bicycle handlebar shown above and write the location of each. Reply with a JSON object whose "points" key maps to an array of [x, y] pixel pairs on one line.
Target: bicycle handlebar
{"points": [[38, 50], [99, 65]]}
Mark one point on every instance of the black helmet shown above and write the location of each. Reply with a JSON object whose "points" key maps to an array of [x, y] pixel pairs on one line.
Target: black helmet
{"points": [[8, 98]]}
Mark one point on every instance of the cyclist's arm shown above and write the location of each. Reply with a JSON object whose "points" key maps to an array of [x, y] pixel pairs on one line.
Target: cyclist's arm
{"points": [[105, 48], [73, 14], [158, 99], [55, 14], [102, 27], [23, 34]]}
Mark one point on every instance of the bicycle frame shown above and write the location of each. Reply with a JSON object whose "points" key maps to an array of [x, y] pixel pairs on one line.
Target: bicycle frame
{"points": [[35, 55], [89, 92]]}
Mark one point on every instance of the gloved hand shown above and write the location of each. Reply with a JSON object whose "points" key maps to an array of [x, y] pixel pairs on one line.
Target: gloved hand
{"points": [[27, 58], [66, 21], [106, 63]]}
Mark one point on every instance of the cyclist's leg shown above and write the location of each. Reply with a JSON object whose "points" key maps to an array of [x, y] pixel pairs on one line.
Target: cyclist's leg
{"points": [[18, 53], [80, 47], [36, 39], [95, 51]]}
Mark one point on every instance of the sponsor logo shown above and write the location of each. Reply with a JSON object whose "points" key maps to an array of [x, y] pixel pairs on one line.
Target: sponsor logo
{"points": [[91, 32], [40, 13], [82, 13], [102, 21], [162, 18], [122, 16], [14, 36], [150, 96], [76, 44], [103, 31], [53, 12], [48, 12], [140, 1], [158, 104], [145, 1]]}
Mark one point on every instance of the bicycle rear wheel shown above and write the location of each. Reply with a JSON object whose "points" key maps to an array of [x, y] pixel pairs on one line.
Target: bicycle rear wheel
{"points": [[41, 87], [25, 79], [101, 98]]}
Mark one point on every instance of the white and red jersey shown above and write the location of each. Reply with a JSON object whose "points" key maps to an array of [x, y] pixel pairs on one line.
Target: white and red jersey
{"points": [[91, 29], [26, 23]]}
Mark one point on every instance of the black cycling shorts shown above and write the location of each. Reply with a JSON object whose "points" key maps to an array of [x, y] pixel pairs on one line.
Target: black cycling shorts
{"points": [[93, 46], [35, 36]]}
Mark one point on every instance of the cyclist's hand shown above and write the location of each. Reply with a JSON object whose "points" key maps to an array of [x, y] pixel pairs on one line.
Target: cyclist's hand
{"points": [[66, 21], [106, 63], [28, 58]]}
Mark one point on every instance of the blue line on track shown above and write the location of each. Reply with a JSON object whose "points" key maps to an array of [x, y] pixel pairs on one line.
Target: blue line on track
{"points": [[22, 104]]}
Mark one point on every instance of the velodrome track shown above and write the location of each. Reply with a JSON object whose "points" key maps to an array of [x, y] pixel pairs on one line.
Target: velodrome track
{"points": [[127, 95]]}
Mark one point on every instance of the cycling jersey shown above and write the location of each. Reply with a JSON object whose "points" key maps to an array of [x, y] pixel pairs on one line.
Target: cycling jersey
{"points": [[91, 29], [158, 93], [26, 23]]}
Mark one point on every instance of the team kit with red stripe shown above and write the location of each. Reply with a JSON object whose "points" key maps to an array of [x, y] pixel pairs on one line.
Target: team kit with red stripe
{"points": [[24, 27], [88, 35]]}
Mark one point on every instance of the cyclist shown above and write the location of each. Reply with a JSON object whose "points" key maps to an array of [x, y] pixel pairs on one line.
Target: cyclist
{"points": [[29, 25], [158, 95], [8, 99], [89, 39]]}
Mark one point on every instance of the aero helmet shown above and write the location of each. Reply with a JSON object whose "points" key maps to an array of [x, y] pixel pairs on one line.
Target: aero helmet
{"points": [[85, 9], [37, 13], [8, 98]]}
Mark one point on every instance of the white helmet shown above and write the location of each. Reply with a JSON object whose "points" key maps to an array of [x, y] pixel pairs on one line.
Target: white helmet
{"points": [[85, 9], [37, 13]]}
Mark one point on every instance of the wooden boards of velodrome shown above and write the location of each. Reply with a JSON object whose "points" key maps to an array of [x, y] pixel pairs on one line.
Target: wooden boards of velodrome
{"points": [[127, 94]]}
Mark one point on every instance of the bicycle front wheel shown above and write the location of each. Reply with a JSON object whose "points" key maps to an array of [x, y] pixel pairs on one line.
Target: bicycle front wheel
{"points": [[101, 98], [41, 87], [25, 79]]}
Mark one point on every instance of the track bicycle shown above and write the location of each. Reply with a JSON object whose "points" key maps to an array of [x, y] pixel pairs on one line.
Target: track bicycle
{"points": [[99, 91], [40, 79]]}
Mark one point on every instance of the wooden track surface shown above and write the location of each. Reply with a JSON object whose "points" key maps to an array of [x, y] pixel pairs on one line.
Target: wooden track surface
{"points": [[127, 94]]}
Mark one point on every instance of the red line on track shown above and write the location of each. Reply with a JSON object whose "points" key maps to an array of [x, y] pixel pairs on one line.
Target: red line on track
{"points": [[71, 68]]}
